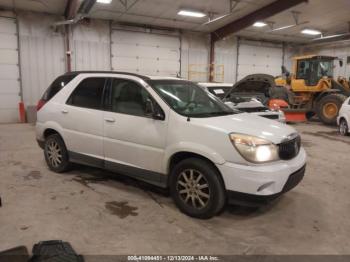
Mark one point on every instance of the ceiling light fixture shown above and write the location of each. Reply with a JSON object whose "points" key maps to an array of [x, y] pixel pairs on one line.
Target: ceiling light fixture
{"points": [[191, 13], [311, 32], [327, 37], [104, 1], [259, 24]]}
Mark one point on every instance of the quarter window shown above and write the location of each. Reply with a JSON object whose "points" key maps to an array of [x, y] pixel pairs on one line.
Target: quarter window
{"points": [[88, 93], [57, 85]]}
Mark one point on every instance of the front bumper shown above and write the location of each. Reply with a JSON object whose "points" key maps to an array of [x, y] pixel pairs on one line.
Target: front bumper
{"points": [[258, 200], [263, 180]]}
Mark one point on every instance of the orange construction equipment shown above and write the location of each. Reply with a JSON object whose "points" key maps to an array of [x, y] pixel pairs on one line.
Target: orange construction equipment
{"points": [[311, 90]]}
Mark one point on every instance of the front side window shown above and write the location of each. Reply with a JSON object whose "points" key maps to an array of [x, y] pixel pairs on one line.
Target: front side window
{"points": [[189, 99], [88, 93], [128, 97]]}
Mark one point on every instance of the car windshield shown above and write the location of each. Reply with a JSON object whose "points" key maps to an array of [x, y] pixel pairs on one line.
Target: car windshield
{"points": [[189, 99]]}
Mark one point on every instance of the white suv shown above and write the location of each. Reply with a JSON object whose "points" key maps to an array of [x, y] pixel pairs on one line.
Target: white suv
{"points": [[344, 118], [171, 133]]}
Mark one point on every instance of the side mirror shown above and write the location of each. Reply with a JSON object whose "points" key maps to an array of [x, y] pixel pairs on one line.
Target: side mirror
{"points": [[154, 111], [340, 62]]}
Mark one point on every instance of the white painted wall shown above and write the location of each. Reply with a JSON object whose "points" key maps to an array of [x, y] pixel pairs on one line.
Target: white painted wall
{"points": [[42, 54], [90, 45]]}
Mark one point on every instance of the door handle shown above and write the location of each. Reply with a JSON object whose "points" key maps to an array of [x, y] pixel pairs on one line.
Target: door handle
{"points": [[64, 111], [109, 120]]}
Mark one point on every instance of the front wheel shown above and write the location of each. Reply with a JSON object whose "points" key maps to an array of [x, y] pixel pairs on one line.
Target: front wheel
{"points": [[197, 189], [343, 128], [56, 154]]}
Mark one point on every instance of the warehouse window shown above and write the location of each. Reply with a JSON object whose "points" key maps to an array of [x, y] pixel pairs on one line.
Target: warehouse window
{"points": [[88, 94], [127, 97]]}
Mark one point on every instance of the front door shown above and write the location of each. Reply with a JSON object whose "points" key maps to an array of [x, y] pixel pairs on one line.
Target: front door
{"points": [[134, 142]]}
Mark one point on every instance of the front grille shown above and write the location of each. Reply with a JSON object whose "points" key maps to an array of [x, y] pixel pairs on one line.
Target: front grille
{"points": [[270, 116], [290, 148]]}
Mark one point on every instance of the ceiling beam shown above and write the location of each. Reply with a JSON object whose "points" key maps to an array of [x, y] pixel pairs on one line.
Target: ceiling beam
{"points": [[260, 14], [86, 7], [71, 9]]}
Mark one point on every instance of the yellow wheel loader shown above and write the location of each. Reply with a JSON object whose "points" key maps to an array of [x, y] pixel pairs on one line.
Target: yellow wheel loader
{"points": [[311, 89]]}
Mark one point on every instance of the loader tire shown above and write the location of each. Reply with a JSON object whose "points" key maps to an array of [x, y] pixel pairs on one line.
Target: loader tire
{"points": [[328, 108]]}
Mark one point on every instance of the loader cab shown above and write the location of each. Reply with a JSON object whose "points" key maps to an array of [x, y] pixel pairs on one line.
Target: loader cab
{"points": [[313, 69]]}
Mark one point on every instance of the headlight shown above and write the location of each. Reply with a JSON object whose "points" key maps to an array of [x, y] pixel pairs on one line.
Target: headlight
{"points": [[254, 149]]}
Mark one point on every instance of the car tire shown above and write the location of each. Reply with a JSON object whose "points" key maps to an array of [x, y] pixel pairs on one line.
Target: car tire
{"points": [[332, 101], [197, 188], [343, 127], [56, 154]]}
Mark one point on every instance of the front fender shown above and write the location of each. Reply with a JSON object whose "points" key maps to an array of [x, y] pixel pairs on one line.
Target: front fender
{"points": [[191, 147]]}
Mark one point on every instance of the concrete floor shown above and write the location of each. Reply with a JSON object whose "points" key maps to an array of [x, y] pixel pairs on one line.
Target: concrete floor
{"points": [[100, 215]]}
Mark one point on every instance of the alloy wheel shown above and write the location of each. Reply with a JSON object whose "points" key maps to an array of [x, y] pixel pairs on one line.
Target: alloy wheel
{"points": [[54, 153], [193, 188], [343, 128]]}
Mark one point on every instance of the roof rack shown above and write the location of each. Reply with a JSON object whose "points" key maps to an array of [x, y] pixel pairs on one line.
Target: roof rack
{"points": [[107, 72]]}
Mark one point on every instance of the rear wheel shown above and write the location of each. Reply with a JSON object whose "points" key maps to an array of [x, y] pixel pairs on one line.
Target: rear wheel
{"points": [[56, 154], [196, 188], [328, 108], [343, 128]]}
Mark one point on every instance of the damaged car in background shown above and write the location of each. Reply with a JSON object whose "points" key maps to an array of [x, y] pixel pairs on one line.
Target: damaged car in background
{"points": [[252, 94]]}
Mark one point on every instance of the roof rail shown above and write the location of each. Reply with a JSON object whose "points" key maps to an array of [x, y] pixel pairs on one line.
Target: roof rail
{"points": [[107, 72]]}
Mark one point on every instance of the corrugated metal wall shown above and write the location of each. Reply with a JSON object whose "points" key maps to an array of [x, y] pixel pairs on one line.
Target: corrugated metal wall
{"points": [[194, 56], [42, 54], [91, 46], [226, 60]]}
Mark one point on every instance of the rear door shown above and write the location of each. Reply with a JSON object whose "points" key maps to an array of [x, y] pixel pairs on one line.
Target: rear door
{"points": [[133, 140], [82, 119]]}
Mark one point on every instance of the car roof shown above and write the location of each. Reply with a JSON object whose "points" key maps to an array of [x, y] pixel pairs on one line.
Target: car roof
{"points": [[143, 77], [165, 78]]}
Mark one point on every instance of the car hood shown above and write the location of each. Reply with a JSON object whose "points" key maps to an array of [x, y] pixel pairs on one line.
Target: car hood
{"points": [[260, 81], [248, 124]]}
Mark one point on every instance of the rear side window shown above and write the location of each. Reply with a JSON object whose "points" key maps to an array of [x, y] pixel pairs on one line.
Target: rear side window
{"points": [[88, 93], [56, 86]]}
